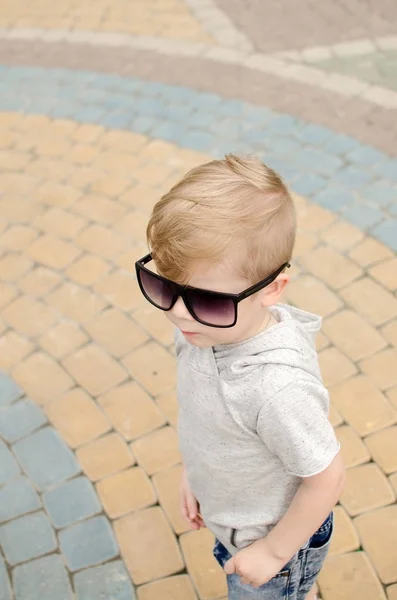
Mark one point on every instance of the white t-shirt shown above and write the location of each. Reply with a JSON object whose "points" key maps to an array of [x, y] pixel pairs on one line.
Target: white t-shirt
{"points": [[253, 421]]}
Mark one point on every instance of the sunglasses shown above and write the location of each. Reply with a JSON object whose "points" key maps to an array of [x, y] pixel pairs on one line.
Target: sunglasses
{"points": [[215, 309]]}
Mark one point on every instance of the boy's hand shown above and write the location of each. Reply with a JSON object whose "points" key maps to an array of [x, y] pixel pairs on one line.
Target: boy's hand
{"points": [[190, 508], [255, 564]]}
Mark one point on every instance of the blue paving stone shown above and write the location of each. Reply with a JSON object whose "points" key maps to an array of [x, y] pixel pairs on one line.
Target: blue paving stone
{"points": [[17, 498], [107, 581], [88, 543], [284, 146], [386, 232], [107, 81], [171, 132], [178, 113], [20, 419], [284, 166], [363, 215], [352, 177], [42, 579], [90, 114], [387, 169], [335, 198], [320, 162], [5, 587], [27, 537], [179, 94], [9, 391], [257, 114], [340, 144], [65, 109], [8, 465], [313, 135], [198, 140], [45, 457], [72, 502], [393, 209], [119, 120], [283, 124], [379, 193], [145, 124], [228, 129], [202, 119], [204, 100], [308, 184], [365, 155]]}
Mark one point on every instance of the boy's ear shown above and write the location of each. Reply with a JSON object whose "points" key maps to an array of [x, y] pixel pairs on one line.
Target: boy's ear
{"points": [[273, 292]]}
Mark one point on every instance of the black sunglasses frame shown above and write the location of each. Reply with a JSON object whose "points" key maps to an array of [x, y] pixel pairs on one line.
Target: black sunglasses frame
{"points": [[182, 291]]}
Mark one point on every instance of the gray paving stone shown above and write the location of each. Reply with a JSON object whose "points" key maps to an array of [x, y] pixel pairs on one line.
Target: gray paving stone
{"points": [[27, 537], [8, 465], [42, 579], [88, 543], [46, 458], [20, 419], [9, 391], [5, 587], [107, 581], [17, 498], [72, 502]]}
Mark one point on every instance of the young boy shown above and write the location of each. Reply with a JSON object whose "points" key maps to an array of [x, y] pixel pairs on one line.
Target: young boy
{"points": [[262, 464]]}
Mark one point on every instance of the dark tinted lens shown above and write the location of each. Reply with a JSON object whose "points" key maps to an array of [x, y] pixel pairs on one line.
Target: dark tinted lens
{"points": [[156, 290], [212, 309]]}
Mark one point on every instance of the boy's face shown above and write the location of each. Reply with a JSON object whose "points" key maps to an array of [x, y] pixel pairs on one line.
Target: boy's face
{"points": [[252, 313]]}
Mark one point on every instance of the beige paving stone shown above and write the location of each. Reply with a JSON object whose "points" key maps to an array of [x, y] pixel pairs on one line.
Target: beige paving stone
{"points": [[83, 154], [308, 292], [120, 289], [77, 417], [141, 196], [13, 349], [155, 552], [17, 210], [13, 266], [354, 451], [386, 273], [112, 185], [393, 482], [362, 405], [124, 140], [86, 133], [119, 162], [392, 592], [131, 411], [158, 450], [334, 416], [127, 260], [178, 587], [75, 303], [155, 323], [17, 237], [83, 177], [7, 294], [116, 332], [155, 173], [52, 252], [392, 396], [370, 300], [62, 339], [370, 251], [102, 241], [133, 225], [341, 235], [335, 366], [345, 537], [99, 208], [383, 447], [125, 492], [167, 484], [321, 341], [39, 282], [19, 183], [87, 270], [153, 367], [94, 369], [29, 316], [57, 194], [41, 378], [315, 218], [378, 533], [168, 405], [389, 332], [208, 577], [104, 456], [353, 335], [330, 266], [366, 488], [59, 222], [382, 368], [348, 576]]}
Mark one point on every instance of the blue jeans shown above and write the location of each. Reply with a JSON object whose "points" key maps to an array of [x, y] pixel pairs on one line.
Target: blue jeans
{"points": [[294, 581]]}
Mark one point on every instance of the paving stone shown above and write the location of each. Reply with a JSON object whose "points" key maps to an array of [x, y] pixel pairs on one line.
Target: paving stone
{"points": [[386, 232], [27, 537], [5, 587], [335, 366], [350, 576], [28, 316], [362, 405], [127, 491], [45, 458], [155, 552], [208, 577], [131, 411], [153, 367], [120, 289], [354, 451], [392, 592], [99, 208], [88, 543], [20, 419], [167, 484], [13, 349], [334, 416], [369, 252], [17, 498], [101, 241], [353, 335], [8, 465], [116, 332], [63, 339], [42, 378], [44, 578], [104, 456], [8, 293], [153, 321], [158, 450], [386, 273], [13, 266], [383, 447], [60, 223], [178, 587], [75, 303], [392, 396], [342, 235], [331, 267], [52, 252], [370, 300], [39, 282], [87, 270], [106, 581], [313, 295], [345, 537], [17, 237], [77, 417], [9, 390], [168, 405], [381, 368], [366, 488], [94, 369], [72, 501], [378, 533]]}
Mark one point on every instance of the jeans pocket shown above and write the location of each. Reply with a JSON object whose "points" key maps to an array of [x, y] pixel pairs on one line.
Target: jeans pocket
{"points": [[317, 550]]}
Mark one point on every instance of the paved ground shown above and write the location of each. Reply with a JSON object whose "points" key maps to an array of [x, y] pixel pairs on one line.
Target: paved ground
{"points": [[102, 106]]}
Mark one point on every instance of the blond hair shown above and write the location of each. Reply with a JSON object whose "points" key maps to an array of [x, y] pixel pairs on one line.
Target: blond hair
{"points": [[235, 204]]}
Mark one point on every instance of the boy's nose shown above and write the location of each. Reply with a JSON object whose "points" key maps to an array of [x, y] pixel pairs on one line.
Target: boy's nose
{"points": [[180, 311]]}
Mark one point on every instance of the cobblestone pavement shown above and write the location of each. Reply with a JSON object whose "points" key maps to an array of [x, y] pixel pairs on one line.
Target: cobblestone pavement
{"points": [[103, 105]]}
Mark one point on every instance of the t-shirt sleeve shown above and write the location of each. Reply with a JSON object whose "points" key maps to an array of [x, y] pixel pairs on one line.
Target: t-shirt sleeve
{"points": [[294, 425]]}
